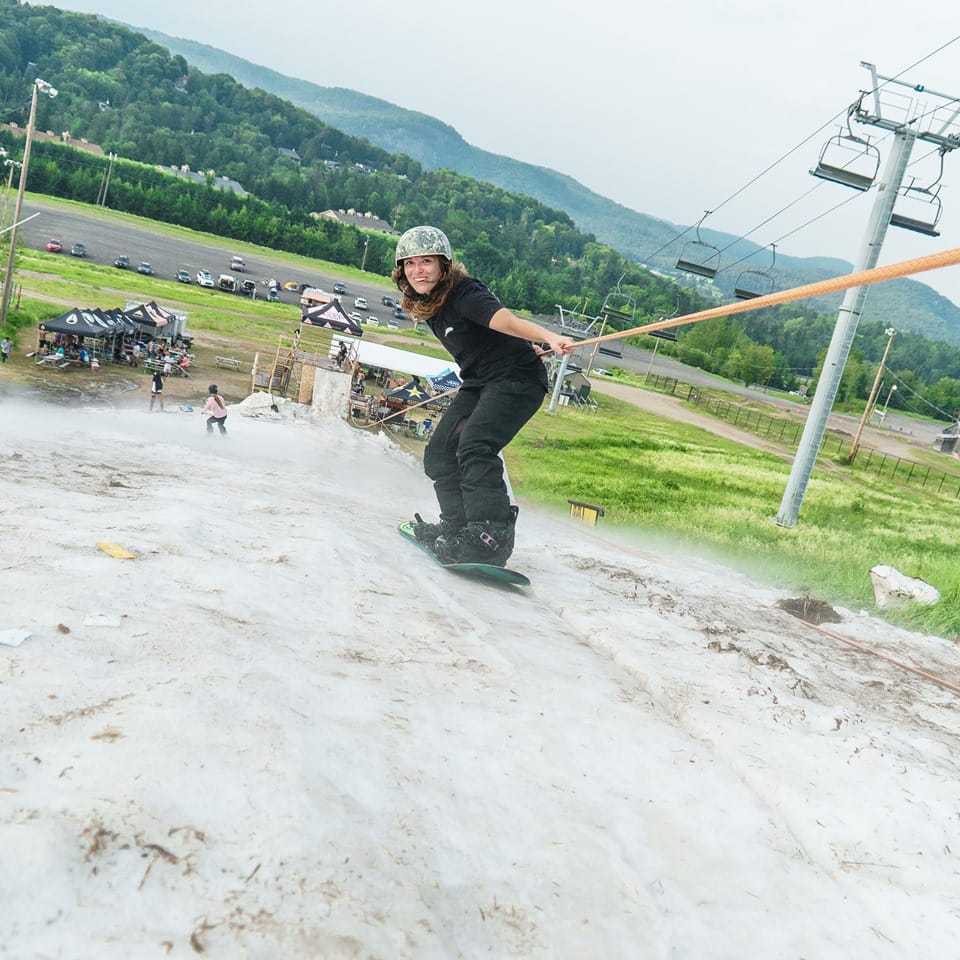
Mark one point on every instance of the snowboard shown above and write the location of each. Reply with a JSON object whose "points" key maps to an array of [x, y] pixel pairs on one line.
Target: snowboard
{"points": [[479, 571]]}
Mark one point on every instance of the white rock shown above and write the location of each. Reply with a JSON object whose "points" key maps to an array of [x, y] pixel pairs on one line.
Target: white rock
{"points": [[891, 588]]}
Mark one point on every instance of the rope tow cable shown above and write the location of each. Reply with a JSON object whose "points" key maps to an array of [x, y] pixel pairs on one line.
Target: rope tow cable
{"points": [[860, 278]]}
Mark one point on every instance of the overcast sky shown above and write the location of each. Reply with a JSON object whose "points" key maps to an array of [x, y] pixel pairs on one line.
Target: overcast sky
{"points": [[669, 109]]}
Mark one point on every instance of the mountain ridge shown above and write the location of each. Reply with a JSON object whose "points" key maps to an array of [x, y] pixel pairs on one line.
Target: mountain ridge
{"points": [[641, 237]]}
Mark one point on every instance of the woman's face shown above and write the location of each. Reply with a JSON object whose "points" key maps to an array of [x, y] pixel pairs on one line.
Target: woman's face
{"points": [[422, 273]]}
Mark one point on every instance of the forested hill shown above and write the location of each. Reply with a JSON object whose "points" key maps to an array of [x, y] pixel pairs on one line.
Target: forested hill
{"points": [[909, 304]]}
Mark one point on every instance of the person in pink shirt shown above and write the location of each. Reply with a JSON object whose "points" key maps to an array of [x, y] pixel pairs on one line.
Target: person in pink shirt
{"points": [[217, 410]]}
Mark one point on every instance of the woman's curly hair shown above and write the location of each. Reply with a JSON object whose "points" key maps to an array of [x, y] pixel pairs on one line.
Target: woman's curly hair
{"points": [[423, 307]]}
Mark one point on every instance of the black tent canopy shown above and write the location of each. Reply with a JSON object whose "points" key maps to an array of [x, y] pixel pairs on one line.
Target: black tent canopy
{"points": [[332, 316]]}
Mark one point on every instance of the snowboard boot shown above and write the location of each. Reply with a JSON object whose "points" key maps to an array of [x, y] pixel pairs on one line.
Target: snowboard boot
{"points": [[486, 541], [427, 533]]}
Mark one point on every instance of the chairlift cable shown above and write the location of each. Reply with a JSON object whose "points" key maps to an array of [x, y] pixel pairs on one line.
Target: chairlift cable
{"points": [[845, 112], [819, 216]]}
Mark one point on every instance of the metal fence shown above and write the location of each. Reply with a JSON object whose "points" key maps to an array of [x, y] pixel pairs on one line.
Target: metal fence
{"points": [[909, 473]]}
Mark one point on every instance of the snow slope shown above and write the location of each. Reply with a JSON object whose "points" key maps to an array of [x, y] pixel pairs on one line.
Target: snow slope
{"points": [[281, 731]]}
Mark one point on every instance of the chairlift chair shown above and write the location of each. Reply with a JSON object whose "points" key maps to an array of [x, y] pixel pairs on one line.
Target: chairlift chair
{"points": [[753, 283], [699, 257], [618, 312], [919, 208], [848, 160]]}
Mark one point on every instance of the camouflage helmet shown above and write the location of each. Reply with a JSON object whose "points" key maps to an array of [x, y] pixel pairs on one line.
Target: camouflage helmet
{"points": [[423, 242]]}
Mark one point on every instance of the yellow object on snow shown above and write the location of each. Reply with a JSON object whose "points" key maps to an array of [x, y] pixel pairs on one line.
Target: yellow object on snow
{"points": [[115, 550]]}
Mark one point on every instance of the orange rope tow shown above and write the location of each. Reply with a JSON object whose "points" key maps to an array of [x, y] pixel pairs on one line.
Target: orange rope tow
{"points": [[859, 278]]}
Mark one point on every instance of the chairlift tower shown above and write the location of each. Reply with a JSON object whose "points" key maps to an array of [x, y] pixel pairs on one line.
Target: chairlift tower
{"points": [[910, 112]]}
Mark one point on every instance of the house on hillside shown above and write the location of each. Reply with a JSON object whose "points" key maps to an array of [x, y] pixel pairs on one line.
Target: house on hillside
{"points": [[363, 221], [49, 135], [290, 154], [221, 183]]}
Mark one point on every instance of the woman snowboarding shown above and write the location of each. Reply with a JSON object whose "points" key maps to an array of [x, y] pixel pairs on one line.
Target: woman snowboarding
{"points": [[504, 383]]}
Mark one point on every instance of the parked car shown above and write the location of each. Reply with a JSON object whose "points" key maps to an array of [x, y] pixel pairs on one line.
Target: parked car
{"points": [[145, 268], [602, 372], [356, 317], [386, 300], [392, 324], [122, 262], [78, 250], [54, 246], [373, 322], [398, 312], [249, 288], [360, 303], [339, 287], [182, 276], [205, 278], [237, 264]]}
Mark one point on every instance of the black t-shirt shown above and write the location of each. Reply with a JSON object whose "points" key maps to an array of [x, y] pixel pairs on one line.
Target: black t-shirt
{"points": [[483, 355]]}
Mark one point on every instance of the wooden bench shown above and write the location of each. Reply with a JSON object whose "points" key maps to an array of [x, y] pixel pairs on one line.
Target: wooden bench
{"points": [[230, 362]]}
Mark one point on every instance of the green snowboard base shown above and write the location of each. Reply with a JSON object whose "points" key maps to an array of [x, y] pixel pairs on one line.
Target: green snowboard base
{"points": [[479, 571]]}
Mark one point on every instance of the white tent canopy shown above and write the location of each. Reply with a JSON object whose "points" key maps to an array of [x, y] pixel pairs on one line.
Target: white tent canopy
{"points": [[403, 361]]}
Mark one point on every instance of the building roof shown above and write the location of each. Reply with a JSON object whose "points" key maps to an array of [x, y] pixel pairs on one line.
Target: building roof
{"points": [[364, 221]]}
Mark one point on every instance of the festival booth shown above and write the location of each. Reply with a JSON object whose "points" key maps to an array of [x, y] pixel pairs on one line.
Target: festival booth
{"points": [[156, 322], [82, 337], [383, 365]]}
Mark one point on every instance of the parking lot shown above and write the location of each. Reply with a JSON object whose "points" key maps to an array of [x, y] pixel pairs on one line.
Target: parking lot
{"points": [[106, 239]]}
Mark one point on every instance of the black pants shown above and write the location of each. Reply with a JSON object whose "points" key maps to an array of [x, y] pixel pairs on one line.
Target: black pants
{"points": [[463, 455], [221, 422]]}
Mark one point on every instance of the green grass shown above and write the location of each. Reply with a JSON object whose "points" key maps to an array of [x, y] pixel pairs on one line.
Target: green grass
{"points": [[695, 491]]}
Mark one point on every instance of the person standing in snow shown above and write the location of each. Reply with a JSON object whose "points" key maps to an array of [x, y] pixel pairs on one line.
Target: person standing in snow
{"points": [[504, 383], [217, 410], [156, 389]]}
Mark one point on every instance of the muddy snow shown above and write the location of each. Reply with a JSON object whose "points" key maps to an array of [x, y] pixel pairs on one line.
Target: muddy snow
{"points": [[279, 730]]}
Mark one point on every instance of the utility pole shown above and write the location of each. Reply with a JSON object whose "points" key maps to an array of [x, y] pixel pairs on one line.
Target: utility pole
{"points": [[908, 121], [106, 186], [12, 165], [105, 181], [38, 86], [868, 409]]}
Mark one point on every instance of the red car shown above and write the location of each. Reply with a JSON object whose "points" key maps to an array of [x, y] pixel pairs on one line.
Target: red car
{"points": [[54, 246]]}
